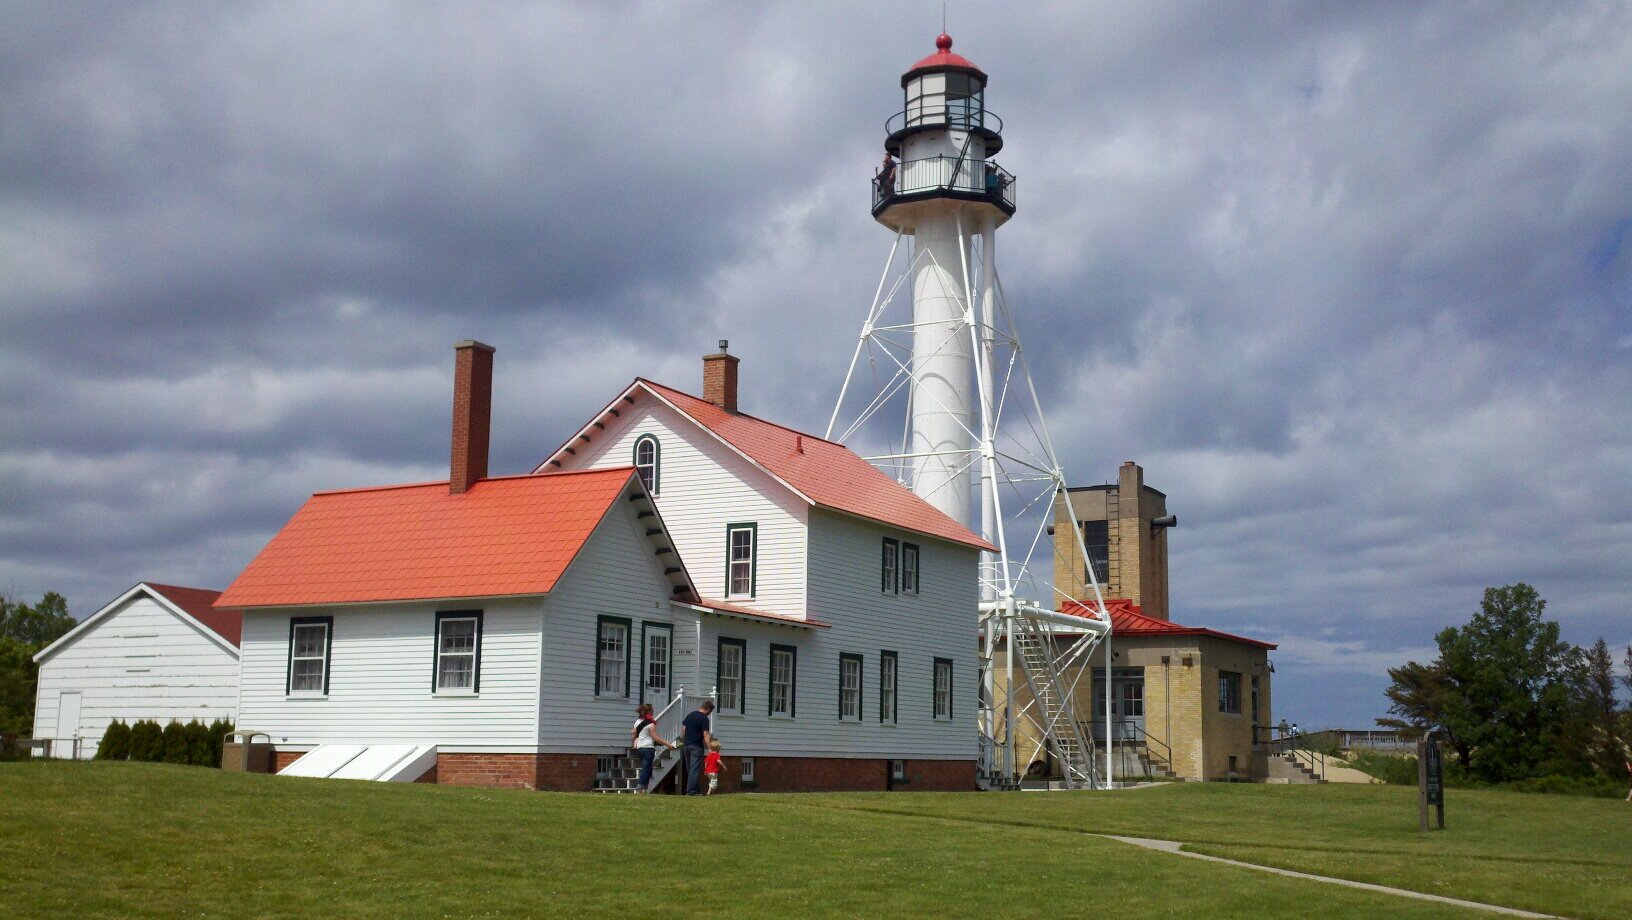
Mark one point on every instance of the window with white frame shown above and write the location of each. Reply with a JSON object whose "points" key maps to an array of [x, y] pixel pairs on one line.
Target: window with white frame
{"points": [[742, 546], [746, 771], [890, 566], [309, 655], [909, 568], [729, 678], [612, 657], [888, 666], [648, 460], [784, 667], [850, 687], [458, 651], [943, 688]]}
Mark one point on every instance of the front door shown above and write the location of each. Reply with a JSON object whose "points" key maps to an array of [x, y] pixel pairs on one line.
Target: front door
{"points": [[658, 659], [1127, 705], [67, 725]]}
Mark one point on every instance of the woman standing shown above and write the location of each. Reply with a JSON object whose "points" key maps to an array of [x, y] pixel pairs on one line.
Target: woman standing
{"points": [[646, 741]]}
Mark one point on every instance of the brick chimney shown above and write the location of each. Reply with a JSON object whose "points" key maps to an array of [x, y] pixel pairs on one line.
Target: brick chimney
{"points": [[472, 413], [720, 378]]}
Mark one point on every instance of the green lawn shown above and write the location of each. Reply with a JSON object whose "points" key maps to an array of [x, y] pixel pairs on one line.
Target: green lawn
{"points": [[103, 839]]}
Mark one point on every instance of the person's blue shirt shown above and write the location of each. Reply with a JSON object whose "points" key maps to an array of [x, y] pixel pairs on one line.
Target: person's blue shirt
{"points": [[695, 724]]}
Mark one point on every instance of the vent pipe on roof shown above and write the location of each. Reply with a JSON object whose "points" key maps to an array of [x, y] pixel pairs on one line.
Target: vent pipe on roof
{"points": [[472, 414], [720, 378]]}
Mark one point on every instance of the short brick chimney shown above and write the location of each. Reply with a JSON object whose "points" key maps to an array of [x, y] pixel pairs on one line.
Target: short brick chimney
{"points": [[720, 378], [472, 413]]}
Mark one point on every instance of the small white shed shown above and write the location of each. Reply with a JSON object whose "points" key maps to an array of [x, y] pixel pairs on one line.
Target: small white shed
{"points": [[156, 652]]}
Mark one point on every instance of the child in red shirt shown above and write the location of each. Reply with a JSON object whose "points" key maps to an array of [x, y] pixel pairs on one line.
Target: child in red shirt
{"points": [[711, 766]]}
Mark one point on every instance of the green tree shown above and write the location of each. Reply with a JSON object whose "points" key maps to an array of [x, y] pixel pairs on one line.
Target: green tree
{"points": [[1417, 696], [1510, 697], [1604, 744], [24, 630]]}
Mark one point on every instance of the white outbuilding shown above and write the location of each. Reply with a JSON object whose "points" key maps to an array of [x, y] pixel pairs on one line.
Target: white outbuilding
{"points": [[156, 652]]}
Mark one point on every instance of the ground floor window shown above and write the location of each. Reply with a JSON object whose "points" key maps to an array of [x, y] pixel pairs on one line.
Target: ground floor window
{"points": [[1229, 691], [729, 677], [612, 657], [943, 688], [888, 666], [850, 687], [784, 666]]}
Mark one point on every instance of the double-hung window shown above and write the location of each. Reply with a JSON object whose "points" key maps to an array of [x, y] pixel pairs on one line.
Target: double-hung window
{"points": [[612, 657], [850, 688], [890, 567], [1229, 691], [309, 655], [784, 675], [729, 676], [909, 568], [648, 461], [458, 652], [943, 688], [742, 547], [888, 667]]}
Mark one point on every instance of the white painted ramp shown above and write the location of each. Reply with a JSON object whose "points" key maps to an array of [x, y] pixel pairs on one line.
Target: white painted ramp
{"points": [[401, 763]]}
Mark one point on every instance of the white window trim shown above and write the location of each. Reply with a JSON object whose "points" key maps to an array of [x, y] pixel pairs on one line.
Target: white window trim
{"points": [[731, 531]]}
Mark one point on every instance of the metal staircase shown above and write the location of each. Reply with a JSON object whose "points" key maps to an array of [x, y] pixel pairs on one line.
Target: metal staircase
{"points": [[1051, 696]]}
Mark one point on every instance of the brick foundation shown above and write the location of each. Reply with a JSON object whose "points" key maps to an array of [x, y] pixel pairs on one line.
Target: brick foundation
{"points": [[281, 759]]}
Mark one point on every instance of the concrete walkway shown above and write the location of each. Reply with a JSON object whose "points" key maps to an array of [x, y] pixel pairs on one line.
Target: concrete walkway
{"points": [[1177, 848]]}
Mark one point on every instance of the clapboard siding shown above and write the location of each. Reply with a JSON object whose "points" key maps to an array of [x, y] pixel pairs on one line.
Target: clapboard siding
{"points": [[702, 487], [380, 678], [617, 575], [844, 577], [139, 661]]}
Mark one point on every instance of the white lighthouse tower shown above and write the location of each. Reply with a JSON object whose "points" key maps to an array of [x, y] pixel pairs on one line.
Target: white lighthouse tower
{"points": [[973, 440]]}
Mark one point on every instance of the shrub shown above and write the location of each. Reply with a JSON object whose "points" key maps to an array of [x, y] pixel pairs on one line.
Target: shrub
{"points": [[147, 741], [1597, 785], [219, 730], [175, 743], [115, 742], [198, 743]]}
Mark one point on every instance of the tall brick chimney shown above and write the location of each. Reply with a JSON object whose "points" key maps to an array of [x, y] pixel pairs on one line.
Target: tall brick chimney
{"points": [[472, 413], [720, 378]]}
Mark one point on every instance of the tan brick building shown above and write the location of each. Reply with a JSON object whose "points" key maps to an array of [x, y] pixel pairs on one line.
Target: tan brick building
{"points": [[1185, 700]]}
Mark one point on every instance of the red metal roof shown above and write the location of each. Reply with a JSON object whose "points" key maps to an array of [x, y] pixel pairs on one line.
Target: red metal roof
{"points": [[1128, 620], [830, 475], [943, 57], [199, 603], [507, 536]]}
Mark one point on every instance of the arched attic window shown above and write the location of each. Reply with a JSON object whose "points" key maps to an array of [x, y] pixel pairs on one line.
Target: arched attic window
{"points": [[648, 459]]}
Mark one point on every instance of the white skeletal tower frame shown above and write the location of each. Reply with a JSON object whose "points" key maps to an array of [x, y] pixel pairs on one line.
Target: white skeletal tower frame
{"points": [[940, 351]]}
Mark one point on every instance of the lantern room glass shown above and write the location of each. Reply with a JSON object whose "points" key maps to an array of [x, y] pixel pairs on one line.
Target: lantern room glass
{"points": [[953, 99]]}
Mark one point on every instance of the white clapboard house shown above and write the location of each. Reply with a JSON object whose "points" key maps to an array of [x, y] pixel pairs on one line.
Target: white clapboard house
{"points": [[156, 652], [501, 631]]}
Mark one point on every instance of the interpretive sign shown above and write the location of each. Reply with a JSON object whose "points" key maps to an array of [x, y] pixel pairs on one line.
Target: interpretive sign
{"points": [[1430, 782]]}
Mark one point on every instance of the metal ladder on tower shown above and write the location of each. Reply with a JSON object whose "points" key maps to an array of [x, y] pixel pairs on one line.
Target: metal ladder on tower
{"points": [[1053, 702]]}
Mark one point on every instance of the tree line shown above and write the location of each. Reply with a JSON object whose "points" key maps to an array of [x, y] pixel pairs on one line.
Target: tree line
{"points": [[1513, 700]]}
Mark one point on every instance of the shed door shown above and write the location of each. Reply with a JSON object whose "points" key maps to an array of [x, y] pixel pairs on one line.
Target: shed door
{"points": [[67, 725]]}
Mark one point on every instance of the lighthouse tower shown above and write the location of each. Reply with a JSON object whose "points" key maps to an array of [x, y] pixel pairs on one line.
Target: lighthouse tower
{"points": [[941, 190], [974, 440]]}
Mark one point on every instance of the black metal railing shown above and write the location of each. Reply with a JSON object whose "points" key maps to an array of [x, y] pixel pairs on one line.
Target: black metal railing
{"points": [[1128, 737], [955, 115], [1298, 750], [963, 177]]}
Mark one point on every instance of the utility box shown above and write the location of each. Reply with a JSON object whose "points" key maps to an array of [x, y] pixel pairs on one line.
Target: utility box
{"points": [[247, 752]]}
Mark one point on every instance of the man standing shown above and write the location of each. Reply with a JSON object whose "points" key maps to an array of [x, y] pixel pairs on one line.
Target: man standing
{"points": [[696, 734]]}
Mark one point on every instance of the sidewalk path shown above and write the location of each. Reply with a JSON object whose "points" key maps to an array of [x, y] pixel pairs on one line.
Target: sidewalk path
{"points": [[1177, 848]]}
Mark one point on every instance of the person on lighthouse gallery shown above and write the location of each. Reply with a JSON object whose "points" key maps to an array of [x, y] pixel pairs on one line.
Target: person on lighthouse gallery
{"points": [[696, 734]]}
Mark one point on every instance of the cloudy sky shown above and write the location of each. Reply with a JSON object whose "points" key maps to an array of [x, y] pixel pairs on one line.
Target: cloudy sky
{"points": [[1353, 282]]}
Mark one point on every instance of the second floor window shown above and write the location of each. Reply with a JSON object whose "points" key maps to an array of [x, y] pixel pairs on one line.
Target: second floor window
{"points": [[742, 546], [1096, 537], [648, 460], [309, 655], [890, 566], [909, 568], [1229, 691]]}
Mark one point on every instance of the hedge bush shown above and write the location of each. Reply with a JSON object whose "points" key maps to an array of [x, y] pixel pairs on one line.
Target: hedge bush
{"points": [[115, 742], [147, 741], [198, 743], [175, 743], [219, 730]]}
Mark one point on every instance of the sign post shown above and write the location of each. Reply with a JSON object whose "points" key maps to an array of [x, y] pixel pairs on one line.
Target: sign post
{"points": [[1430, 782]]}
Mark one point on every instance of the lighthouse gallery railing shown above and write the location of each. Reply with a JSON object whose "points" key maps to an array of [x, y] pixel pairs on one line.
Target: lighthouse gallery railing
{"points": [[945, 174]]}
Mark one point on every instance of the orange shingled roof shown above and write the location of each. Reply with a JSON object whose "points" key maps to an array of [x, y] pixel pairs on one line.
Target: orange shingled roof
{"points": [[831, 475], [506, 536], [199, 603]]}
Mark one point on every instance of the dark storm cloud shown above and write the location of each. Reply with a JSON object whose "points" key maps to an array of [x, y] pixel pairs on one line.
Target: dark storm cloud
{"points": [[1352, 281]]}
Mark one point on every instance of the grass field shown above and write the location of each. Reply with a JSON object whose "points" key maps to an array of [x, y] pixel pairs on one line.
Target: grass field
{"points": [[100, 839]]}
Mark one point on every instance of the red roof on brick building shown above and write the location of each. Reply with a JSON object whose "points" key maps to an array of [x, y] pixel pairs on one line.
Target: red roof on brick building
{"points": [[1128, 620], [820, 471], [506, 536], [199, 603]]}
